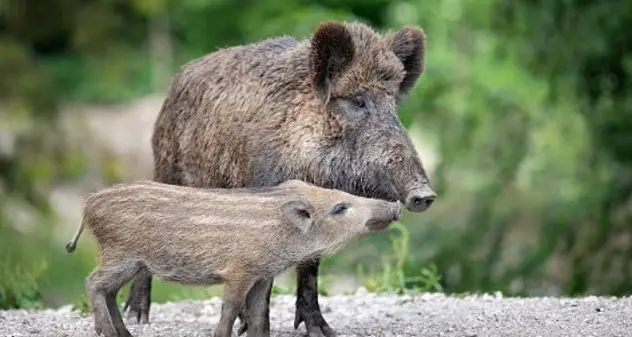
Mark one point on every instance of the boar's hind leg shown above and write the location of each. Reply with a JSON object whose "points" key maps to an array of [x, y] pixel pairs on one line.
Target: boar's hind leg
{"points": [[255, 317], [235, 293], [139, 299], [307, 307], [102, 285]]}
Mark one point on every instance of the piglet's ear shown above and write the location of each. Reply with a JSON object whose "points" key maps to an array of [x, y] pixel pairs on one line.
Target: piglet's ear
{"points": [[300, 213], [409, 45], [332, 50]]}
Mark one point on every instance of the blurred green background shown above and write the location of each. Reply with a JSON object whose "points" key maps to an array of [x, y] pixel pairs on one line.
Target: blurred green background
{"points": [[523, 116]]}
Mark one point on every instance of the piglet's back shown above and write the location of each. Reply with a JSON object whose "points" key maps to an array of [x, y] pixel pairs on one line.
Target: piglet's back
{"points": [[147, 215]]}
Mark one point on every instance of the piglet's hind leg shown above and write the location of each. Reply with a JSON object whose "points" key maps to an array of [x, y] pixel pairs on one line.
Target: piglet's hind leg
{"points": [[103, 285]]}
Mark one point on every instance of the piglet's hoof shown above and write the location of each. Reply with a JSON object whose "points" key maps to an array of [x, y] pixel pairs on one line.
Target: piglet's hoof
{"points": [[243, 326], [136, 312], [105, 330], [315, 324]]}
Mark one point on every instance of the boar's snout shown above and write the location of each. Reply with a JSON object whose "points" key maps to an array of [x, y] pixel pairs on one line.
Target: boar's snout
{"points": [[383, 215], [420, 199]]}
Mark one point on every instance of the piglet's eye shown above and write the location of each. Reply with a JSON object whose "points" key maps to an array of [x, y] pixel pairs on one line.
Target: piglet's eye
{"points": [[339, 209], [358, 102]]}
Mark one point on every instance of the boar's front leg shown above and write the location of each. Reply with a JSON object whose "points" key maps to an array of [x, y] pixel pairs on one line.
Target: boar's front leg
{"points": [[255, 317], [307, 307], [139, 299]]}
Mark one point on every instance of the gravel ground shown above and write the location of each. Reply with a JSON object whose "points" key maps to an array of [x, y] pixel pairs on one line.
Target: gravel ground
{"points": [[366, 314]]}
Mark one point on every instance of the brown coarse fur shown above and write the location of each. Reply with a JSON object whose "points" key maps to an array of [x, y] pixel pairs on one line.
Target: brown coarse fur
{"points": [[237, 237], [250, 116], [322, 110]]}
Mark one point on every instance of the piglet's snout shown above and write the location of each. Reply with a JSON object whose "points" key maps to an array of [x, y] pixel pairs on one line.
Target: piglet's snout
{"points": [[383, 214], [396, 210]]}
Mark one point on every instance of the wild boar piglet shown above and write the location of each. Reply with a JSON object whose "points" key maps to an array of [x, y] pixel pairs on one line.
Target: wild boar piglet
{"points": [[209, 236]]}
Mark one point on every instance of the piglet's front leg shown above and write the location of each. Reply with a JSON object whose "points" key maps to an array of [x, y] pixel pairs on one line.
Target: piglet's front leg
{"points": [[235, 293], [255, 318]]}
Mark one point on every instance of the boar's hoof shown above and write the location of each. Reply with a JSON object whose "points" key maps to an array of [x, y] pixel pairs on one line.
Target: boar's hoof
{"points": [[315, 324]]}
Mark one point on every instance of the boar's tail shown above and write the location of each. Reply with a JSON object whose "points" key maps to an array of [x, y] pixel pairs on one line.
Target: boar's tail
{"points": [[70, 247]]}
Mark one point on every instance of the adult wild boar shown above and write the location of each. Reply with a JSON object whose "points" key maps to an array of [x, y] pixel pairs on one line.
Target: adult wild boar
{"points": [[322, 110]]}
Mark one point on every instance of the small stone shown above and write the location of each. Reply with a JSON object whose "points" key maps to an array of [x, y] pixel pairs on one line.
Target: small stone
{"points": [[487, 297], [362, 291], [65, 309], [426, 297], [404, 299]]}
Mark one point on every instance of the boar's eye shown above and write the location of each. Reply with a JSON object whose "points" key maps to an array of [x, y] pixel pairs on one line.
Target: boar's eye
{"points": [[358, 102], [339, 209]]}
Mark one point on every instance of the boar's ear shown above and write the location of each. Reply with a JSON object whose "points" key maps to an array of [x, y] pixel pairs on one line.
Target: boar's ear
{"points": [[300, 213], [409, 45], [332, 50]]}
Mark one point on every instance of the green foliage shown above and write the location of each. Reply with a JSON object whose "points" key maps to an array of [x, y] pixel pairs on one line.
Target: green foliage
{"points": [[278, 289], [324, 282], [393, 277], [82, 304], [111, 170], [174, 292], [19, 286]]}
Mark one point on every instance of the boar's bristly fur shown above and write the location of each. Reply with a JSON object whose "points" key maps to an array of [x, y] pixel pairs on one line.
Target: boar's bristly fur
{"points": [[238, 237], [321, 109]]}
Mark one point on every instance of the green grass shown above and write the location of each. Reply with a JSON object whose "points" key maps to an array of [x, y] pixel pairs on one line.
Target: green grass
{"points": [[392, 276], [19, 286]]}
